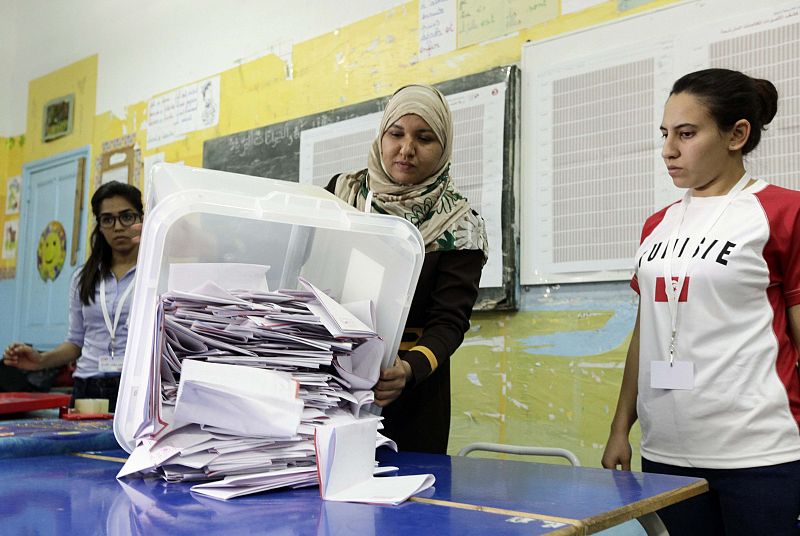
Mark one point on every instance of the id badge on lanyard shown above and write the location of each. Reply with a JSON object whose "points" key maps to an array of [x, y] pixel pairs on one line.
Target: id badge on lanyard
{"points": [[672, 372], [112, 362]]}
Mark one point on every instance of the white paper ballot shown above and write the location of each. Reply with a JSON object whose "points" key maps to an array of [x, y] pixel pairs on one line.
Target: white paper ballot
{"points": [[190, 276], [149, 454], [364, 310], [140, 461], [362, 368], [241, 380], [235, 486], [249, 401], [345, 462], [339, 321]]}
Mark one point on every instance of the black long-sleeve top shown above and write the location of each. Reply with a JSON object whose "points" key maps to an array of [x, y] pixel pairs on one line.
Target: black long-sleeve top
{"points": [[419, 419]]}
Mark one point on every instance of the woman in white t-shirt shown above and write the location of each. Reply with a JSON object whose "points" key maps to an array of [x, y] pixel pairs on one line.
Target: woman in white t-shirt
{"points": [[711, 371]]}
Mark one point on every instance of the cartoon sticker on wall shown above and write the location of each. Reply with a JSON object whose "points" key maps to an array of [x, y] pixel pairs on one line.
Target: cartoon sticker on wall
{"points": [[209, 115], [13, 192], [52, 251], [10, 233]]}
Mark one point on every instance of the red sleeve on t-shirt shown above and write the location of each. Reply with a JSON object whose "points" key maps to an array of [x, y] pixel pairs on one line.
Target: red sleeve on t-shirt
{"points": [[782, 250], [650, 224]]}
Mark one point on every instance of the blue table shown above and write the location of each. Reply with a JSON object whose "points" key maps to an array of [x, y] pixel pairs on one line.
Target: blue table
{"points": [[42, 433], [78, 494]]}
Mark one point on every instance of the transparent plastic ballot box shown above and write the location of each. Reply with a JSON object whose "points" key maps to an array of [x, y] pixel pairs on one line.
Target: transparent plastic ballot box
{"points": [[200, 215]]}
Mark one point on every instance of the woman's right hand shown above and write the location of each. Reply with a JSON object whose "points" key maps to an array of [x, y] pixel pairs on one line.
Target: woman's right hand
{"points": [[618, 452], [391, 383], [137, 228], [22, 356]]}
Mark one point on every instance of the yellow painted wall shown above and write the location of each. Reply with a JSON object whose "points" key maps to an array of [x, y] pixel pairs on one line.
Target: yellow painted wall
{"points": [[502, 393], [11, 150], [360, 62], [79, 79]]}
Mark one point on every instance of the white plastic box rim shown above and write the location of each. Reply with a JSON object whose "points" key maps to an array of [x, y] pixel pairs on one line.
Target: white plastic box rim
{"points": [[175, 191]]}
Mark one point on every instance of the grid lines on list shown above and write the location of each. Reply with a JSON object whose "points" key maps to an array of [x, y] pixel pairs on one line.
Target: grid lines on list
{"points": [[771, 54], [602, 161], [342, 154], [467, 166]]}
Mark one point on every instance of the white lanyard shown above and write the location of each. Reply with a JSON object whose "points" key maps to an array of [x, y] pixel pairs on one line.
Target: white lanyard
{"points": [[368, 202], [112, 328], [673, 288]]}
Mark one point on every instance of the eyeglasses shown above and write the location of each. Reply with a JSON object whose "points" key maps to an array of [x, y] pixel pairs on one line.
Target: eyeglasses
{"points": [[126, 219]]}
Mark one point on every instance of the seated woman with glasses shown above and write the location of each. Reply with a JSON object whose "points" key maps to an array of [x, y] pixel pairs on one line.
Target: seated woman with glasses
{"points": [[100, 297]]}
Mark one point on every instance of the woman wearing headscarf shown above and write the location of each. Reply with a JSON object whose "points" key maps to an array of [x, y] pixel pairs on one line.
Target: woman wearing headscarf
{"points": [[408, 175]]}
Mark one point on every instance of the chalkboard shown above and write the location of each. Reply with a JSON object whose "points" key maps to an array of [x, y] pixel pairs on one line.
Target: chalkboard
{"points": [[274, 151]]}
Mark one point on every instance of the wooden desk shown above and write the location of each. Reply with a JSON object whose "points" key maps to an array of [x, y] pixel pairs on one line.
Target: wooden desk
{"points": [[78, 494]]}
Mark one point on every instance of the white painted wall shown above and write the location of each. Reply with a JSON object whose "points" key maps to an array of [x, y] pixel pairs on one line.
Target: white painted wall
{"points": [[150, 46]]}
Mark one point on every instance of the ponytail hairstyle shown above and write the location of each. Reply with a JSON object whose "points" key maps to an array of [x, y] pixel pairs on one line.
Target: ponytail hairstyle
{"points": [[98, 266], [731, 96]]}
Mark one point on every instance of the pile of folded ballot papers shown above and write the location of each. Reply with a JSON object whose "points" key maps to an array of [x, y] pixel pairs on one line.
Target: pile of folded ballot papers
{"points": [[243, 379]]}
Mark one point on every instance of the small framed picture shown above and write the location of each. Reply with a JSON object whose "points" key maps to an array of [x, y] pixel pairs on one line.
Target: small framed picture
{"points": [[58, 114]]}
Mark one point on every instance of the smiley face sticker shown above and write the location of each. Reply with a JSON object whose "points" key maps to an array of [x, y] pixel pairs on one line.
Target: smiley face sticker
{"points": [[52, 251]]}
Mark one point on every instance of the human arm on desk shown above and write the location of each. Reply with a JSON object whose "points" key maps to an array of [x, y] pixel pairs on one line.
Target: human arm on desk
{"points": [[24, 357], [618, 447]]}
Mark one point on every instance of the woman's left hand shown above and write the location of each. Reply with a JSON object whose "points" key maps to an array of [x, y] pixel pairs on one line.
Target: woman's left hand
{"points": [[391, 383]]}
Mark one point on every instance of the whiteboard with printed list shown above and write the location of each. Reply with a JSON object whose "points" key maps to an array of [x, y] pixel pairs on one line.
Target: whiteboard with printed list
{"points": [[592, 103], [477, 164]]}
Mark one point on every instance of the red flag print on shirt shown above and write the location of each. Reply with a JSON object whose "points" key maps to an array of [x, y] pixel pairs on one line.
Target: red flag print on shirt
{"points": [[661, 291]]}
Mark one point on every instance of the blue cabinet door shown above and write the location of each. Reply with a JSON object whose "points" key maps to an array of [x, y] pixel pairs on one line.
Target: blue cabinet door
{"points": [[47, 234]]}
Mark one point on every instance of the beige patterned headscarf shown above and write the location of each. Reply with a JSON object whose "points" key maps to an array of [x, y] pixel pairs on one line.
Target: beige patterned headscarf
{"points": [[435, 206]]}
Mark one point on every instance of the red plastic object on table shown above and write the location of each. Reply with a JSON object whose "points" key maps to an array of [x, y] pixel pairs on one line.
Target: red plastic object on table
{"points": [[21, 402], [69, 414]]}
